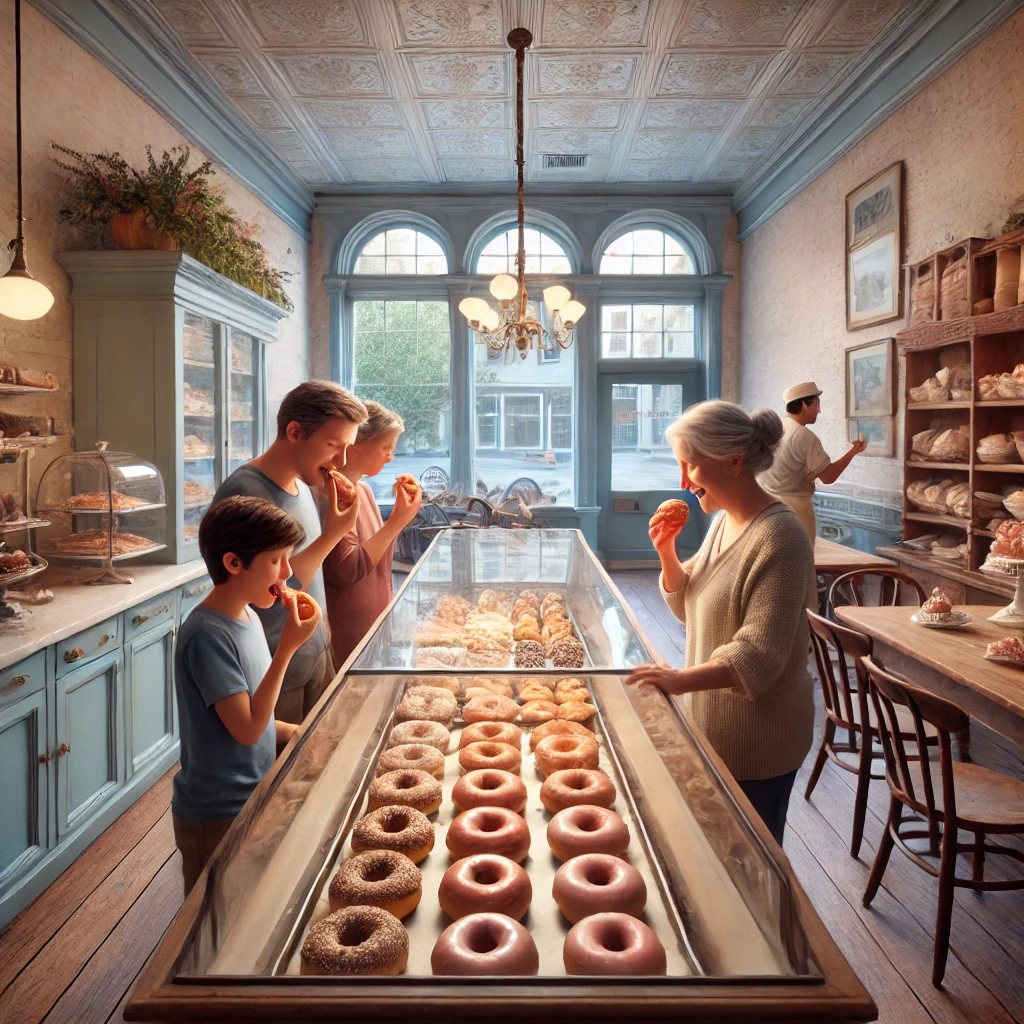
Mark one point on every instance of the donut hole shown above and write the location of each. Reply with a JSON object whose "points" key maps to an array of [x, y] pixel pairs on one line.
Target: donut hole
{"points": [[395, 823], [578, 782], [564, 745], [378, 872], [490, 749], [490, 823], [482, 940], [597, 874], [354, 932], [490, 782], [588, 822], [486, 874], [614, 939], [406, 782]]}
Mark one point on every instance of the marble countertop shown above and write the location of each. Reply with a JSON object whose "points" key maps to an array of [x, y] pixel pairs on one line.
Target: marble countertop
{"points": [[77, 606]]}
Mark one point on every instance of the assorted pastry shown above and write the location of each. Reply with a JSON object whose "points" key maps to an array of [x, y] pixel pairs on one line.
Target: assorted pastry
{"points": [[95, 543], [102, 501], [197, 402], [196, 493], [14, 561], [937, 608], [197, 448], [487, 890], [1009, 649], [41, 379]]}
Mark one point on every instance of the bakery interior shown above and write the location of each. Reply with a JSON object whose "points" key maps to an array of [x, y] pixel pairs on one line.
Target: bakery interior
{"points": [[718, 199]]}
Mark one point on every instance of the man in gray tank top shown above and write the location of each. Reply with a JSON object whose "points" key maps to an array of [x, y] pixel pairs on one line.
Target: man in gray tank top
{"points": [[316, 423]]}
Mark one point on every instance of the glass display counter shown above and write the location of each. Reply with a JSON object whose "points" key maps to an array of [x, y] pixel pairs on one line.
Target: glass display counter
{"points": [[742, 940]]}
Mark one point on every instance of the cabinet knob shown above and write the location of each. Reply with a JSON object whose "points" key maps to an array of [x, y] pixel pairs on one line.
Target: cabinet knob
{"points": [[12, 684], [63, 749], [73, 655], [103, 639], [196, 591], [140, 619], [44, 758]]}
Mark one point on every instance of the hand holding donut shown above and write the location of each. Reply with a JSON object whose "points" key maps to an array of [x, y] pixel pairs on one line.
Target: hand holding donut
{"points": [[408, 498], [669, 518], [303, 617], [342, 505]]}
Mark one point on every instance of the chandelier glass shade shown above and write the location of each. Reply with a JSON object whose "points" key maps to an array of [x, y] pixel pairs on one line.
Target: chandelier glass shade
{"points": [[508, 328]]}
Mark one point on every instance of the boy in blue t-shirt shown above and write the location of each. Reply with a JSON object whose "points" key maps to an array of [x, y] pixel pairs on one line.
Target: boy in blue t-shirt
{"points": [[225, 679]]}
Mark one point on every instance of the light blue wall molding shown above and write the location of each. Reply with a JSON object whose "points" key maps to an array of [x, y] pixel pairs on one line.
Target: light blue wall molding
{"points": [[944, 32], [140, 50]]}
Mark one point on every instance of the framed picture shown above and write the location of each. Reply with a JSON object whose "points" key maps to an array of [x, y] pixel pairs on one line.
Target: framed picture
{"points": [[874, 249], [879, 432], [870, 379]]}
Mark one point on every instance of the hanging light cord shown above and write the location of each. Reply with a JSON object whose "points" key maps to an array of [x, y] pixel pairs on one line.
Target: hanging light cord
{"points": [[17, 244]]}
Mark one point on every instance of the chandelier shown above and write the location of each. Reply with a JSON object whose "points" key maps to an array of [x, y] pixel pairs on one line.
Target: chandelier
{"points": [[508, 329]]}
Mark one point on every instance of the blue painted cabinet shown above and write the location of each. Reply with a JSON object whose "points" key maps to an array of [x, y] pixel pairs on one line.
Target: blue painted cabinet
{"points": [[149, 695]]}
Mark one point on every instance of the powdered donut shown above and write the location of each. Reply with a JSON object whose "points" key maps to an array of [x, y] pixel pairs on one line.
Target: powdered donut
{"points": [[489, 787], [556, 753], [493, 708], [412, 755], [427, 703], [394, 828], [410, 787], [491, 755], [377, 878], [433, 734], [356, 940], [492, 732]]}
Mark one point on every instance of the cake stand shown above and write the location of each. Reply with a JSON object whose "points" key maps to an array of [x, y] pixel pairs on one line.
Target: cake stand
{"points": [[1013, 614]]}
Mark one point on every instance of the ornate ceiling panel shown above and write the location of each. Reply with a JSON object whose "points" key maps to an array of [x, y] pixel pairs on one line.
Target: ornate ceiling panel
{"points": [[386, 92]]}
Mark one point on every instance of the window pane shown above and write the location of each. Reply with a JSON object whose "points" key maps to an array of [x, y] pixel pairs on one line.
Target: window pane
{"points": [[650, 247], [679, 265], [646, 345], [615, 346], [400, 265], [431, 265], [555, 265], [491, 265], [426, 246], [406, 368], [672, 247], [370, 265], [647, 318], [375, 247], [648, 243], [401, 241], [401, 251], [616, 264], [647, 332], [522, 421], [648, 265], [499, 254], [679, 345], [615, 318], [642, 459]]}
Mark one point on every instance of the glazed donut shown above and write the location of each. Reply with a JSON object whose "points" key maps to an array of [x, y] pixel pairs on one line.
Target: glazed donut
{"points": [[489, 830], [485, 944], [672, 513], [356, 940], [536, 691], [611, 943], [538, 711], [559, 752], [377, 878], [485, 883], [412, 755], [450, 683], [558, 728], [597, 883], [402, 829], [492, 732], [406, 787], [427, 703], [489, 787], [570, 787], [587, 829], [502, 687], [491, 755], [576, 711], [493, 708], [433, 734]]}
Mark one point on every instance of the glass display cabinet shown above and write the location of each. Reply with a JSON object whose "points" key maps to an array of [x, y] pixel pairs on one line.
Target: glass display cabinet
{"points": [[189, 389], [742, 940]]}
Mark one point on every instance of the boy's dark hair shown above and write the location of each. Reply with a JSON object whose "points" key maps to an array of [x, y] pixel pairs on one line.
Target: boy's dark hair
{"points": [[246, 527], [314, 402], [798, 403]]}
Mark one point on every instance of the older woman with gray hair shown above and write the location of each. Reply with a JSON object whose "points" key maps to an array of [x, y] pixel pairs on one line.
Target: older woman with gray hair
{"points": [[742, 599]]}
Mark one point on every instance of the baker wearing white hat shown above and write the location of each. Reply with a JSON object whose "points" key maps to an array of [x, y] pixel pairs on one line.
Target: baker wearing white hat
{"points": [[800, 458]]}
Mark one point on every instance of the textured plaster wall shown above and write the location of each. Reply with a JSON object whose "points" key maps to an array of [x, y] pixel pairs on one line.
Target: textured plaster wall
{"points": [[70, 98], [962, 143], [731, 264]]}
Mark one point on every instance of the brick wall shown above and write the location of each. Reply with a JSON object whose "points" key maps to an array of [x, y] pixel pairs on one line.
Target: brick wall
{"points": [[962, 143]]}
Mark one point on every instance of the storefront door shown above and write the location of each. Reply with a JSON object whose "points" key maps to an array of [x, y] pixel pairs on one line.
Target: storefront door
{"points": [[636, 468]]}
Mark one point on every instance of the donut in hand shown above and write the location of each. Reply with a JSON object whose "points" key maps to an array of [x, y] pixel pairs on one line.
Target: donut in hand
{"points": [[671, 514], [345, 488], [305, 605], [407, 483]]}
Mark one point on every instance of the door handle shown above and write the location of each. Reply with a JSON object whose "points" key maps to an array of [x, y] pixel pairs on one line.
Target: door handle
{"points": [[44, 758], [73, 655], [196, 591], [63, 749], [103, 639], [13, 683], [140, 619]]}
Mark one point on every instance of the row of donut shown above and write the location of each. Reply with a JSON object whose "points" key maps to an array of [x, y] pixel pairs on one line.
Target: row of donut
{"points": [[487, 891]]}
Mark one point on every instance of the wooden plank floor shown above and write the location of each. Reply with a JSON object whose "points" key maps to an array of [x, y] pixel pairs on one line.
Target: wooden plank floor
{"points": [[74, 955]]}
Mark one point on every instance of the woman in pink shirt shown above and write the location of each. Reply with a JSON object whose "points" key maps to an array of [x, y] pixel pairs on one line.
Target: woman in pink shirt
{"points": [[357, 573]]}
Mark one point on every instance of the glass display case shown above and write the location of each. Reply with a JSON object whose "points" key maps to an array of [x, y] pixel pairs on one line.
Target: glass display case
{"points": [[104, 507], [742, 941]]}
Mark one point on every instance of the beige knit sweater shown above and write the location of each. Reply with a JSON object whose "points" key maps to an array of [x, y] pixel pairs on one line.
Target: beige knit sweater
{"points": [[745, 607]]}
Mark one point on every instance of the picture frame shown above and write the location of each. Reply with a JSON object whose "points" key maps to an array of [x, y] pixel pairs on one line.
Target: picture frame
{"points": [[874, 249], [878, 431], [871, 379]]}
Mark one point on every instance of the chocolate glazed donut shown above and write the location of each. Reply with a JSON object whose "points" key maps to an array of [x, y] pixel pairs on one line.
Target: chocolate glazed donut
{"points": [[605, 944], [485, 944], [596, 883], [483, 883], [489, 830]]}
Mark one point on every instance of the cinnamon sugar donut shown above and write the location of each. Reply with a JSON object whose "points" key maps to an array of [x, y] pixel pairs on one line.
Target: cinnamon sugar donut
{"points": [[491, 755], [408, 787], [586, 829], [485, 883], [377, 878], [558, 728], [412, 755], [556, 753], [489, 830], [596, 883], [492, 732], [433, 734], [606, 944], [394, 828], [538, 711], [489, 787], [570, 787], [491, 944], [356, 940], [493, 708], [427, 703]]}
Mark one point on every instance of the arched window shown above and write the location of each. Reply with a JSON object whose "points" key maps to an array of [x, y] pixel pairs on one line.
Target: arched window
{"points": [[543, 254], [401, 251], [646, 251]]}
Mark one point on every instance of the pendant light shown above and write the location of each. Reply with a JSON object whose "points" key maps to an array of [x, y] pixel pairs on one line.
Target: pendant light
{"points": [[22, 297]]}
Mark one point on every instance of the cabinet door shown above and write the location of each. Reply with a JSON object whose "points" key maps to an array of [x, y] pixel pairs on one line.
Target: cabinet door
{"points": [[200, 376], [244, 394], [149, 696], [89, 756], [24, 795]]}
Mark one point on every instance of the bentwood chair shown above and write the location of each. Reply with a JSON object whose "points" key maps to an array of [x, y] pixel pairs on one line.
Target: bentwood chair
{"points": [[893, 587], [929, 801], [847, 708]]}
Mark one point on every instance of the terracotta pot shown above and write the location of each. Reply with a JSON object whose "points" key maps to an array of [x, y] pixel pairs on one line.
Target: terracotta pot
{"points": [[130, 231]]}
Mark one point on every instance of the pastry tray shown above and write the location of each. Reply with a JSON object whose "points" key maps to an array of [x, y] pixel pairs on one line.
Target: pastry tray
{"points": [[16, 525], [101, 511], [70, 558], [544, 921], [25, 389], [9, 578]]}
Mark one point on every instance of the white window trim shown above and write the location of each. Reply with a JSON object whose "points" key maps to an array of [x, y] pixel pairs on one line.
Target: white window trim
{"points": [[540, 421], [497, 432]]}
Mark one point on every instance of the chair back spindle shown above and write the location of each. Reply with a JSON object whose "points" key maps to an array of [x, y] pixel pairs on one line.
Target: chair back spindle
{"points": [[893, 586], [832, 645]]}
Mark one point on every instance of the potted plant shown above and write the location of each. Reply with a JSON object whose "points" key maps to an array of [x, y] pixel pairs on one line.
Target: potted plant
{"points": [[166, 206]]}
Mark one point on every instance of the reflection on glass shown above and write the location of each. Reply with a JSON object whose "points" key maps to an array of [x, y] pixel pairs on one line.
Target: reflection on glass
{"points": [[199, 391], [242, 416], [647, 332], [642, 459]]}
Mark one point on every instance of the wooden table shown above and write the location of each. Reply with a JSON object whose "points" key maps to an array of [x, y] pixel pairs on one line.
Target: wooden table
{"points": [[948, 662], [835, 559]]}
